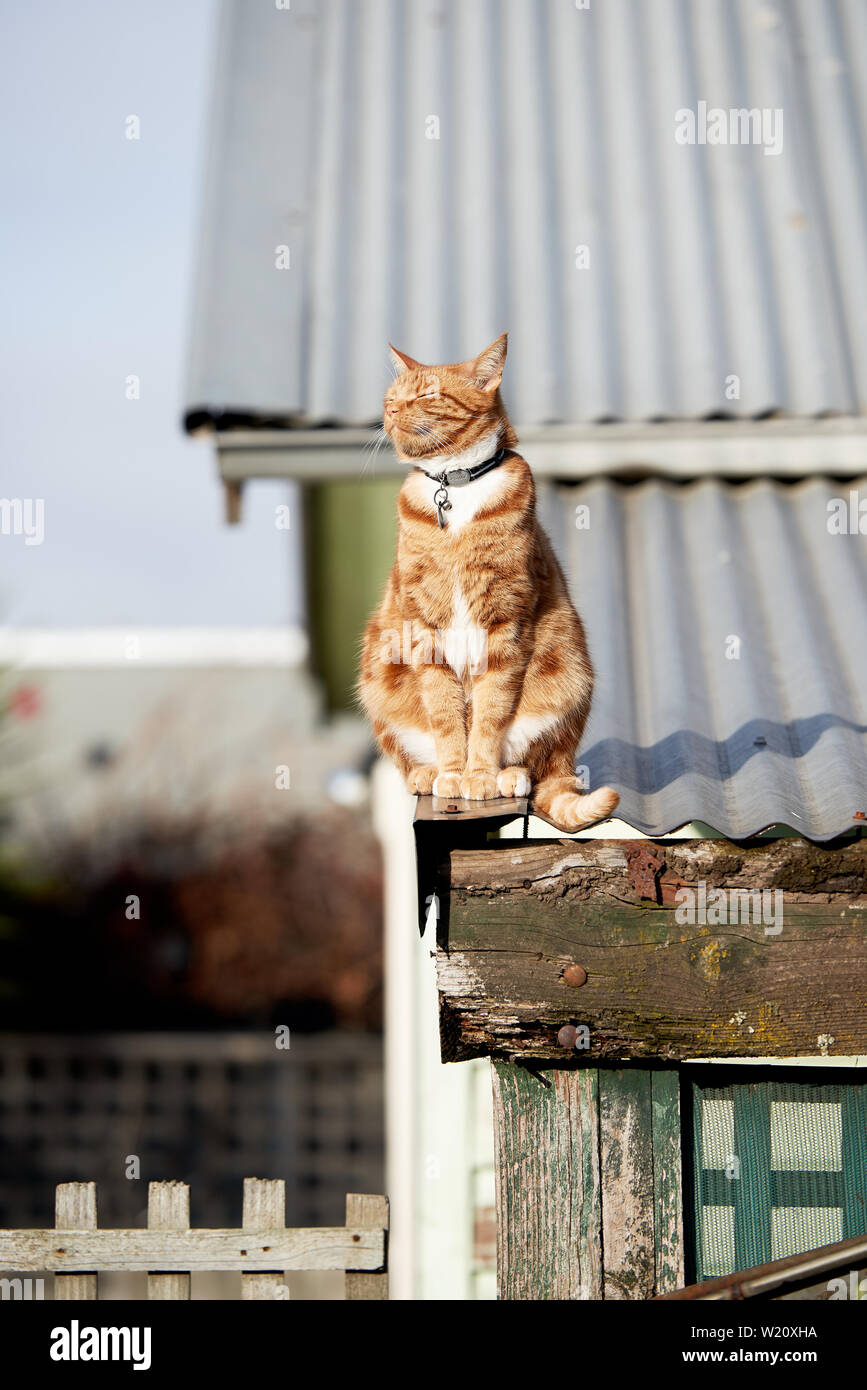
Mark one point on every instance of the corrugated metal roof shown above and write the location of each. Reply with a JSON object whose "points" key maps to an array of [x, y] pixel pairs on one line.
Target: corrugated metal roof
{"points": [[727, 627], [555, 130]]}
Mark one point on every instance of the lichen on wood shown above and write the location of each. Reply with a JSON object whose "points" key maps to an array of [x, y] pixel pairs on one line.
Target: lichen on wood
{"points": [[657, 985]]}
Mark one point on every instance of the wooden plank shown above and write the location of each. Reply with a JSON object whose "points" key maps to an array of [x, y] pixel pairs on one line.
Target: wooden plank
{"points": [[69, 1251], [792, 864], [588, 1183], [626, 1146], [363, 1210], [668, 1236], [659, 985], [456, 810], [74, 1210], [547, 1180], [264, 1209], [168, 1210]]}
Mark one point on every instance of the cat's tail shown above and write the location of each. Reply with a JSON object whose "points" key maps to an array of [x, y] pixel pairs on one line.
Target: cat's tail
{"points": [[561, 801]]}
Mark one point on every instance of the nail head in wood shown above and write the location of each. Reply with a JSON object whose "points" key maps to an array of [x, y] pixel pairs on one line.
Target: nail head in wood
{"points": [[264, 1209], [575, 976], [365, 1210]]}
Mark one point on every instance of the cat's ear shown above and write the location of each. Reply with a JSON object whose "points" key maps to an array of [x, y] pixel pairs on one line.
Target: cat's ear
{"points": [[487, 370], [402, 362]]}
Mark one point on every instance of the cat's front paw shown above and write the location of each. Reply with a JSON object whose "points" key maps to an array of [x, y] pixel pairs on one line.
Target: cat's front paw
{"points": [[447, 784], [421, 779], [479, 786], [514, 781]]}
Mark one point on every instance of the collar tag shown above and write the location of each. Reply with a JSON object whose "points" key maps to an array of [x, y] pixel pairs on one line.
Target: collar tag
{"points": [[442, 503], [458, 477]]}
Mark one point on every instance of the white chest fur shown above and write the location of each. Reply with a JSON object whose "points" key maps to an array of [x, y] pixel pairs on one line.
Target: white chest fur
{"points": [[466, 644], [467, 501]]}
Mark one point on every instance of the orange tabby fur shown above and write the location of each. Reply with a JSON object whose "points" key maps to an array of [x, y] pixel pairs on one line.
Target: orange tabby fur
{"points": [[475, 672]]}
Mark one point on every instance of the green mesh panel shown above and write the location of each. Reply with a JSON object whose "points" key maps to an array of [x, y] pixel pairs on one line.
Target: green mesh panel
{"points": [[780, 1168]]}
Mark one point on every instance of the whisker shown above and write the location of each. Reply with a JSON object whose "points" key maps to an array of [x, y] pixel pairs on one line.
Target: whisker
{"points": [[437, 437], [371, 450]]}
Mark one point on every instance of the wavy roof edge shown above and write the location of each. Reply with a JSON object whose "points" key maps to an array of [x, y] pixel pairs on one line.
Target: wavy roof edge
{"points": [[705, 830], [726, 623]]}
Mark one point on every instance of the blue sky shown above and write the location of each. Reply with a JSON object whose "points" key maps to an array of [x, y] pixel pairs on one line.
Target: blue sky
{"points": [[98, 242]]}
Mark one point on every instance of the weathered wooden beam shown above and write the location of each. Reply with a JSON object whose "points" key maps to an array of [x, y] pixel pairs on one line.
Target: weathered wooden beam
{"points": [[70, 1251], [769, 959], [588, 1183]]}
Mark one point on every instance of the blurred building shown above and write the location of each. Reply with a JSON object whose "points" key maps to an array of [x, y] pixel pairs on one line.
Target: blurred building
{"points": [[104, 724], [168, 906], [666, 206]]}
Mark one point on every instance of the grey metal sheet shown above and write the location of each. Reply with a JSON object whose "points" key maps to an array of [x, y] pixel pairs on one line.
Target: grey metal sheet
{"points": [[555, 129], [247, 349], [727, 626]]}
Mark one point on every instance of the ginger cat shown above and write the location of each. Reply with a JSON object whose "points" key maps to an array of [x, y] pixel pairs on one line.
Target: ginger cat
{"points": [[474, 671]]}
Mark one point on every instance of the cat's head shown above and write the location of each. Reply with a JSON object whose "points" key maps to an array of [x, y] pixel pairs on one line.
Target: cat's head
{"points": [[438, 412]]}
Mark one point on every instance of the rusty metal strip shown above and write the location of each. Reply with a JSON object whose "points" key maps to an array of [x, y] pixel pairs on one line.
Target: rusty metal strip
{"points": [[762, 1280]]}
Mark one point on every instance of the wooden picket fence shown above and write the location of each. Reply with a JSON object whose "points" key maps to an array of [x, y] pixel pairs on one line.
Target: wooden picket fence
{"points": [[77, 1250]]}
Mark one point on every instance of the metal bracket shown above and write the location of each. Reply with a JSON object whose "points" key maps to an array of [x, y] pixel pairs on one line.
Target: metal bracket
{"points": [[441, 824], [444, 808], [645, 865]]}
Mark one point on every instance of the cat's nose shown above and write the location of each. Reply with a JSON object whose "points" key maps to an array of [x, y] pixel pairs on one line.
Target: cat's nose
{"points": [[391, 411]]}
